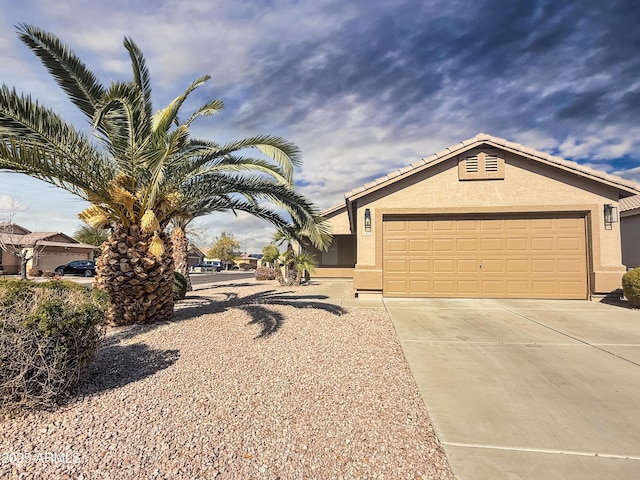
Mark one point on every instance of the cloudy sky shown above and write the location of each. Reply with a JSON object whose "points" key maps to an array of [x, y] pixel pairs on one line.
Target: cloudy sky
{"points": [[362, 87]]}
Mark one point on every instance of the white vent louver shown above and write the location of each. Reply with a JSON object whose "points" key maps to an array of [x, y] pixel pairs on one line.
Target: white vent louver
{"points": [[491, 163], [472, 164]]}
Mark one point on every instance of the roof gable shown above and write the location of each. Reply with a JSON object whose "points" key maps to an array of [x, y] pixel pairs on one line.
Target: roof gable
{"points": [[626, 187]]}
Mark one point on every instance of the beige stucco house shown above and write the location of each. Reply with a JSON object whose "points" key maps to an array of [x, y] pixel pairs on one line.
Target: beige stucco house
{"points": [[630, 230], [53, 248], [483, 218]]}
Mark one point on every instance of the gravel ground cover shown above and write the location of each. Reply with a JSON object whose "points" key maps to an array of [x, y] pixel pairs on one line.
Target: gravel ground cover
{"points": [[249, 380]]}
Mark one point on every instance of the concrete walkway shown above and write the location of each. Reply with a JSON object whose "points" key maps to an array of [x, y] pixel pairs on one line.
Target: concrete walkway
{"points": [[527, 389]]}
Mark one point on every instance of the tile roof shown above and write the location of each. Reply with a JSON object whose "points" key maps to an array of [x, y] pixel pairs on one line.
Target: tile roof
{"points": [[31, 238], [483, 138], [65, 244], [43, 238], [629, 203], [332, 210]]}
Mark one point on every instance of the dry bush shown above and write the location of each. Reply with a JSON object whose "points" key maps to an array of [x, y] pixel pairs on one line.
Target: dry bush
{"points": [[264, 273], [49, 334], [34, 272]]}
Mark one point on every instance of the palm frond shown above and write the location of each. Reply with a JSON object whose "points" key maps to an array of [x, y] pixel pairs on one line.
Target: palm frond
{"points": [[305, 220], [78, 82], [157, 164], [36, 141], [206, 110], [163, 119], [120, 113], [284, 153], [142, 79], [234, 165]]}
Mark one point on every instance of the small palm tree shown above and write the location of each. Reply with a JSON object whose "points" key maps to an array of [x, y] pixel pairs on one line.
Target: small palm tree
{"points": [[305, 263], [270, 254], [144, 171], [295, 264]]}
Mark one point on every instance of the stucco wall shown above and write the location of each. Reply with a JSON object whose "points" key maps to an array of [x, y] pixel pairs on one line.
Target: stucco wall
{"points": [[339, 222], [630, 232], [340, 257], [528, 186], [10, 263]]}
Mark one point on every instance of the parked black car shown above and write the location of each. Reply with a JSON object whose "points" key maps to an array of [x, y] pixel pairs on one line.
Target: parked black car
{"points": [[77, 267]]}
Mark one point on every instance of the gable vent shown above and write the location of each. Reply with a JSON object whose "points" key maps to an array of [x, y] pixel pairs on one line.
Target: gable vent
{"points": [[481, 165], [491, 163], [472, 164]]}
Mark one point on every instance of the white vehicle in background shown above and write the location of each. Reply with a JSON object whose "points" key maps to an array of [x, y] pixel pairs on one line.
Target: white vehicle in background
{"points": [[207, 266]]}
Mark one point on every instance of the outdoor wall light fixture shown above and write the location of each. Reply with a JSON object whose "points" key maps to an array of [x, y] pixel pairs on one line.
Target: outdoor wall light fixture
{"points": [[610, 214], [367, 220]]}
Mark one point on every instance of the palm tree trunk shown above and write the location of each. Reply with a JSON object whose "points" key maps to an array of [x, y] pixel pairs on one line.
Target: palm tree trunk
{"points": [[180, 254], [291, 275], [279, 275], [139, 284]]}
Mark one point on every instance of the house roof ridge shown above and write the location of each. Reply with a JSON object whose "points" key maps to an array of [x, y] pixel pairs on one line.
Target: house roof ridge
{"points": [[499, 142]]}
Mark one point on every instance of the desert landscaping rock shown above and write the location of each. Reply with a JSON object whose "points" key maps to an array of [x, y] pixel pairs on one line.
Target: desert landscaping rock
{"points": [[249, 380]]}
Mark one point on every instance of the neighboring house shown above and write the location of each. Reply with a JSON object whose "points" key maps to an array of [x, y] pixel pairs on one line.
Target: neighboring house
{"points": [[483, 218], [194, 255], [630, 231], [54, 249], [248, 260]]}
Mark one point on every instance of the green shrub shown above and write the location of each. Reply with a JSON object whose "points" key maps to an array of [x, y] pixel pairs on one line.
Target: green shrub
{"points": [[264, 273], [179, 286], [49, 334], [631, 287]]}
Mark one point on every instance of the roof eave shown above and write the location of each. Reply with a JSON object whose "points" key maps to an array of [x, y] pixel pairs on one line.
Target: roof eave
{"points": [[332, 210]]}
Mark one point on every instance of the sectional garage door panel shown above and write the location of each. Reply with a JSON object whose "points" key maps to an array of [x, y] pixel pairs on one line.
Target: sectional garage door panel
{"points": [[485, 257]]}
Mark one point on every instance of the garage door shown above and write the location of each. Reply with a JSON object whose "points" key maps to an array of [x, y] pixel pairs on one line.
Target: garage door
{"points": [[485, 257]]}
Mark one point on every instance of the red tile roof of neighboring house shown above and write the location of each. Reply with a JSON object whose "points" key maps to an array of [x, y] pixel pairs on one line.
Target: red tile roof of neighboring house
{"points": [[627, 186]]}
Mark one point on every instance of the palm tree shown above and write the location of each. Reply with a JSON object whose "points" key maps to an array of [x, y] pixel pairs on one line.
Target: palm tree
{"points": [[305, 263], [297, 263], [144, 171], [270, 254]]}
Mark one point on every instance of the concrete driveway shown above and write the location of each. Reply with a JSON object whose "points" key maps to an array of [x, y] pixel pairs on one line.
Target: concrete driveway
{"points": [[527, 389]]}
